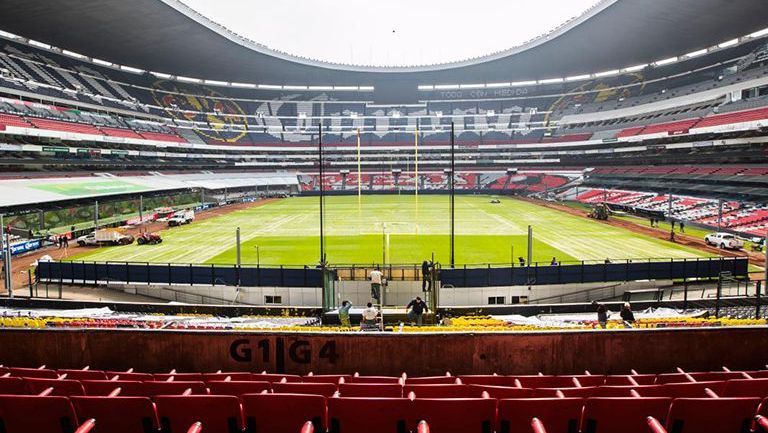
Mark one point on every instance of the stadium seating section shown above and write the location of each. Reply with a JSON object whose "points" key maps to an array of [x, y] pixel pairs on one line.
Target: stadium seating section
{"points": [[747, 218], [60, 401]]}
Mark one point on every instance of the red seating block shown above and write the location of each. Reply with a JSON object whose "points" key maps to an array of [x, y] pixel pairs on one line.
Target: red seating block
{"points": [[172, 388], [746, 388], [62, 387], [559, 415], [283, 413], [106, 387], [217, 413], [324, 389], [370, 415], [238, 388], [442, 391], [456, 415], [626, 415], [33, 414], [118, 414], [371, 390], [711, 415]]}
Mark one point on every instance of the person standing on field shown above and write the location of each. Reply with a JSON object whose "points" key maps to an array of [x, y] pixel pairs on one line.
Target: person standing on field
{"points": [[376, 277]]}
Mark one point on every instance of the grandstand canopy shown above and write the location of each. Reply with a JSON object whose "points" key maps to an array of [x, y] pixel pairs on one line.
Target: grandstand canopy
{"points": [[165, 36]]}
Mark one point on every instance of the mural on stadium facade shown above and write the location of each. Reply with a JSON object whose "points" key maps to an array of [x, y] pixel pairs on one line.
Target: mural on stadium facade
{"points": [[222, 113], [623, 86]]}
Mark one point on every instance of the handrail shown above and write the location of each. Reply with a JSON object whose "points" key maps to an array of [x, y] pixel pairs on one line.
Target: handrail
{"points": [[86, 426], [308, 427], [196, 428], [537, 426], [655, 426], [423, 427], [711, 393], [115, 392], [46, 392]]}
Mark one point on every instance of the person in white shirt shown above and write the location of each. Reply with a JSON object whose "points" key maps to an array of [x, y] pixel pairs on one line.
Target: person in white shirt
{"points": [[376, 277], [370, 314]]}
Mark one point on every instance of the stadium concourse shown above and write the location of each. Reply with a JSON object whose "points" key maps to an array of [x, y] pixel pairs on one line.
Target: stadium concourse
{"points": [[202, 234]]}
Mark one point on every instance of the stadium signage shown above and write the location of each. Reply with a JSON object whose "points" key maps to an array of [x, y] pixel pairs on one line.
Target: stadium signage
{"points": [[483, 93], [278, 350], [24, 247]]}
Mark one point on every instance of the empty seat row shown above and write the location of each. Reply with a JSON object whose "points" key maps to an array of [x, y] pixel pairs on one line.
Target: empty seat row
{"points": [[279, 413]]}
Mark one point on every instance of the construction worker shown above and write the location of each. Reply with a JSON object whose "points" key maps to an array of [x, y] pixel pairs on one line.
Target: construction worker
{"points": [[376, 277]]}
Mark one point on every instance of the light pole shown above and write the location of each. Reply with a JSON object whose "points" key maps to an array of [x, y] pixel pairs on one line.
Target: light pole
{"points": [[258, 258]]}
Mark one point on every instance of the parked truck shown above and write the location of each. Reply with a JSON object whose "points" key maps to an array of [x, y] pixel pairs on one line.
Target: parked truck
{"points": [[181, 217], [105, 237]]}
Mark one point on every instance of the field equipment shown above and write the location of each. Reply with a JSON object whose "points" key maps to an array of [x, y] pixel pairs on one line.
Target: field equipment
{"points": [[599, 212], [149, 239]]}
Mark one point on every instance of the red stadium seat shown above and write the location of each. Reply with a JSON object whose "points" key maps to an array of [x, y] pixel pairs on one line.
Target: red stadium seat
{"points": [[370, 415], [442, 391], [746, 388], [711, 415], [625, 415], [283, 413], [431, 380], [325, 378], [487, 380], [238, 388], [373, 379], [64, 387], [40, 373], [613, 391], [33, 414], [546, 381], [172, 388], [181, 377], [217, 413], [627, 380], [106, 387], [567, 392], [499, 392], [456, 415], [84, 374], [141, 377], [236, 376], [559, 415], [12, 386], [264, 377], [371, 390], [118, 414], [324, 389], [676, 390]]}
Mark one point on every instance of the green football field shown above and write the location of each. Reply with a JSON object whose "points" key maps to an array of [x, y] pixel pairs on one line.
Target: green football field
{"points": [[393, 229]]}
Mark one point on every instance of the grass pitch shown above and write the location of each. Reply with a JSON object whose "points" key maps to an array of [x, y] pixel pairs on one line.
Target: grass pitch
{"points": [[396, 230]]}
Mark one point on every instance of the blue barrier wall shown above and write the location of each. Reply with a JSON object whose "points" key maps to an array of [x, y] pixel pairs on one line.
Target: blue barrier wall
{"points": [[147, 273], [593, 273]]}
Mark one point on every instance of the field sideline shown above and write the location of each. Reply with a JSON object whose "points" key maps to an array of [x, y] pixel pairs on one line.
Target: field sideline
{"points": [[287, 232]]}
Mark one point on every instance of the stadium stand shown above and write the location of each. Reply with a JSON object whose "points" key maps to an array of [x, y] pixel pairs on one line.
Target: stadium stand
{"points": [[717, 402]]}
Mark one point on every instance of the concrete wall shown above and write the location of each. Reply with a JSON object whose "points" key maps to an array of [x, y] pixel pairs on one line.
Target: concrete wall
{"points": [[611, 352], [397, 293]]}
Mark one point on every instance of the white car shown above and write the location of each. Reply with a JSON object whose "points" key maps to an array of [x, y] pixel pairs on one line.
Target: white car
{"points": [[724, 240]]}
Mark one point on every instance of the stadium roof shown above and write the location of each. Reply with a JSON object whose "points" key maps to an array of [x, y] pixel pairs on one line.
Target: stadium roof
{"points": [[166, 36]]}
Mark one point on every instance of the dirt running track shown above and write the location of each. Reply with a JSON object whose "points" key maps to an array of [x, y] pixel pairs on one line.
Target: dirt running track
{"points": [[23, 262], [757, 259]]}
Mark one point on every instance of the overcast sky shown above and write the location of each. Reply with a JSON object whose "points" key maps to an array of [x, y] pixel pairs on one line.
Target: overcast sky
{"points": [[390, 32]]}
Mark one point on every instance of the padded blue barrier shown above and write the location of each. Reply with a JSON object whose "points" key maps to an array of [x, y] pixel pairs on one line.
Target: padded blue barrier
{"points": [[146, 273], [593, 273]]}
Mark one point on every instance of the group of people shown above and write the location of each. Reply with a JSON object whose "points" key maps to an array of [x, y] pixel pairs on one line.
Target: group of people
{"points": [[371, 317], [626, 314]]}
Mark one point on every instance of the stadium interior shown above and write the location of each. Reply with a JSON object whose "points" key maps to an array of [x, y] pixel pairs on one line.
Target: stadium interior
{"points": [[629, 145]]}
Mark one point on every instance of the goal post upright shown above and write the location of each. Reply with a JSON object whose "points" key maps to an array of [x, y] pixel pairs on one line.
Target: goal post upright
{"points": [[359, 178], [416, 174]]}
